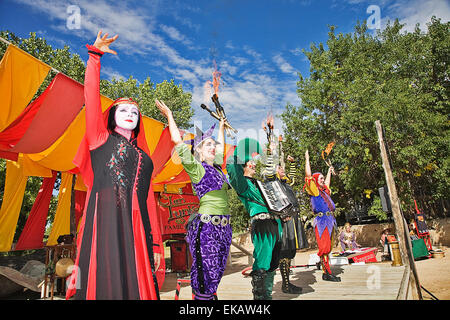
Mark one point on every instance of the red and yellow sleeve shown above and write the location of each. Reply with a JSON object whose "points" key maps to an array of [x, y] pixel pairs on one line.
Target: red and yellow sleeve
{"points": [[311, 187]]}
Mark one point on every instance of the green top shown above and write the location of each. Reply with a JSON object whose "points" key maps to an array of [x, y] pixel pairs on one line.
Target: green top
{"points": [[214, 202], [245, 187]]}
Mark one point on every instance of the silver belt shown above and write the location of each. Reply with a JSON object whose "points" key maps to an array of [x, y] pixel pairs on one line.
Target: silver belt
{"points": [[263, 216], [215, 220]]}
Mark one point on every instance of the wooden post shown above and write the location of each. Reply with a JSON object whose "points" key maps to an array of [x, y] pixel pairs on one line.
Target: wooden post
{"points": [[399, 220]]}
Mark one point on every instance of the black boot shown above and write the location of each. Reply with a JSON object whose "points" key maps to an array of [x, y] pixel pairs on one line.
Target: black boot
{"points": [[286, 286], [330, 277], [258, 284], [268, 284], [327, 276]]}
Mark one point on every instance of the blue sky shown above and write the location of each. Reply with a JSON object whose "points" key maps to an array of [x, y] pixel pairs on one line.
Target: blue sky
{"points": [[257, 44]]}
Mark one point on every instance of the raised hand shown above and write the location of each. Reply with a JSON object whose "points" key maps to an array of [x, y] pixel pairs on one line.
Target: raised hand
{"points": [[163, 108], [102, 42]]}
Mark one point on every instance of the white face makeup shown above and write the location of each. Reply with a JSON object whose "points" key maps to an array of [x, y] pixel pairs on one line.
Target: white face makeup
{"points": [[207, 150], [126, 116]]}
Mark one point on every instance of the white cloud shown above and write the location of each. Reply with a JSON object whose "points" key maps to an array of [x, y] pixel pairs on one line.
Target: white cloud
{"points": [[284, 65], [111, 73], [412, 12], [174, 34]]}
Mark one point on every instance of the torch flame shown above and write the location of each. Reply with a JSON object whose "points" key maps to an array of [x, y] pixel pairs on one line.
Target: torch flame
{"points": [[328, 149]]}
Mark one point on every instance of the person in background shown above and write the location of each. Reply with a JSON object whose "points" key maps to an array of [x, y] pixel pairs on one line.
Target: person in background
{"points": [[294, 236], [347, 238]]}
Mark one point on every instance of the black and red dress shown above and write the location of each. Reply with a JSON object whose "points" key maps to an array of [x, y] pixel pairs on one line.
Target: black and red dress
{"points": [[119, 231]]}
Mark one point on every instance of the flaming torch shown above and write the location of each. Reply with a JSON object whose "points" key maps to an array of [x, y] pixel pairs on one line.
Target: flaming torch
{"points": [[220, 112], [325, 154]]}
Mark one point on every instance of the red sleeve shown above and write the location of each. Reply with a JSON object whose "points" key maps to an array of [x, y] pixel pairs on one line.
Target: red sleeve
{"points": [[96, 131]]}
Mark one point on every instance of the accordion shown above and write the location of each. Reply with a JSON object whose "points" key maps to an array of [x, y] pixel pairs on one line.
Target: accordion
{"points": [[277, 198]]}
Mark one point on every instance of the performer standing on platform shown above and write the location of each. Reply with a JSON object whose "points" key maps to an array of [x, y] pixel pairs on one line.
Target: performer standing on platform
{"points": [[318, 189], [266, 229], [209, 233], [294, 236], [119, 242]]}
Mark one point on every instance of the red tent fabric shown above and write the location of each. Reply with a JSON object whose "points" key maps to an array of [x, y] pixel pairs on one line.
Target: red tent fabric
{"points": [[15, 131], [53, 117], [33, 232], [80, 199], [163, 151]]}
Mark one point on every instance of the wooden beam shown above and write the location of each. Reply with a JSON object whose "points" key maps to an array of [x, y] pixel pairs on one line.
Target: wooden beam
{"points": [[399, 220]]}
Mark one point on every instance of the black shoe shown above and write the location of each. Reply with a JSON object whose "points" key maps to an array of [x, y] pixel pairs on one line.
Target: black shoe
{"points": [[292, 289], [330, 277]]}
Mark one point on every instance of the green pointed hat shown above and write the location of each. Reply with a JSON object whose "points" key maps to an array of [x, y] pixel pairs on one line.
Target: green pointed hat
{"points": [[247, 149]]}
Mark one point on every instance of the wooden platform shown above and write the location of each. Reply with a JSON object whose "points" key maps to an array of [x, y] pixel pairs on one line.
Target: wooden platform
{"points": [[377, 281]]}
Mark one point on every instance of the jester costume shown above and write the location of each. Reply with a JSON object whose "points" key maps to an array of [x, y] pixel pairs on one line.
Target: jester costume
{"points": [[324, 223], [209, 233], [293, 236], [119, 231], [266, 230]]}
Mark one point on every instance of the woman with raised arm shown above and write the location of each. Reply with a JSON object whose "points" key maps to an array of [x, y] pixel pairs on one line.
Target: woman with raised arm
{"points": [[209, 232], [318, 189], [119, 242]]}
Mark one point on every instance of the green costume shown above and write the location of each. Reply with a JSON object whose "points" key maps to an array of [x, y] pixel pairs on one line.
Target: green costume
{"points": [[266, 229]]}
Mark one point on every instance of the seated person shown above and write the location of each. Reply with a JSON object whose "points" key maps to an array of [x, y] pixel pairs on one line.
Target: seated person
{"points": [[413, 233], [384, 243], [347, 238]]}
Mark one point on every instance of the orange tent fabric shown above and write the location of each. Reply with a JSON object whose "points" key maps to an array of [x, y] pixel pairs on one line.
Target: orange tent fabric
{"points": [[20, 76], [12, 202]]}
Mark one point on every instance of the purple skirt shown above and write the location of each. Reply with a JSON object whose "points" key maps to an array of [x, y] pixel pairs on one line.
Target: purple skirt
{"points": [[209, 245]]}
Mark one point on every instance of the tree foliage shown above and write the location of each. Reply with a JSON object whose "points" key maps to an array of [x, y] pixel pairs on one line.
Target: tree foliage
{"points": [[399, 78]]}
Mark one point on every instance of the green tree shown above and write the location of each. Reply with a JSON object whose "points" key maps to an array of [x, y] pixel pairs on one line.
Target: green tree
{"points": [[396, 77], [145, 94]]}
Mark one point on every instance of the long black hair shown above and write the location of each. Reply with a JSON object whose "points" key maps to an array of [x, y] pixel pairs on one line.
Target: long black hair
{"points": [[112, 121]]}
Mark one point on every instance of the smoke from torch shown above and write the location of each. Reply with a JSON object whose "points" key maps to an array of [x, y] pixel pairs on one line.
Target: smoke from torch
{"points": [[216, 79]]}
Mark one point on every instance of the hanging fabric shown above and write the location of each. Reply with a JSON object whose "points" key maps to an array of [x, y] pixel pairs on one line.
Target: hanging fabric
{"points": [[61, 223], [15, 184], [21, 74], [33, 233]]}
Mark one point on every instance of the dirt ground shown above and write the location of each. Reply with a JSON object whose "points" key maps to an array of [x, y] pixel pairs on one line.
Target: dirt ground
{"points": [[434, 273]]}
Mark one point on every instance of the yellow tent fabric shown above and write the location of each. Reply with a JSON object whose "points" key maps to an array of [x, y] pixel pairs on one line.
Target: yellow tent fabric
{"points": [[15, 185], [153, 130], [20, 76], [33, 169], [61, 224]]}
